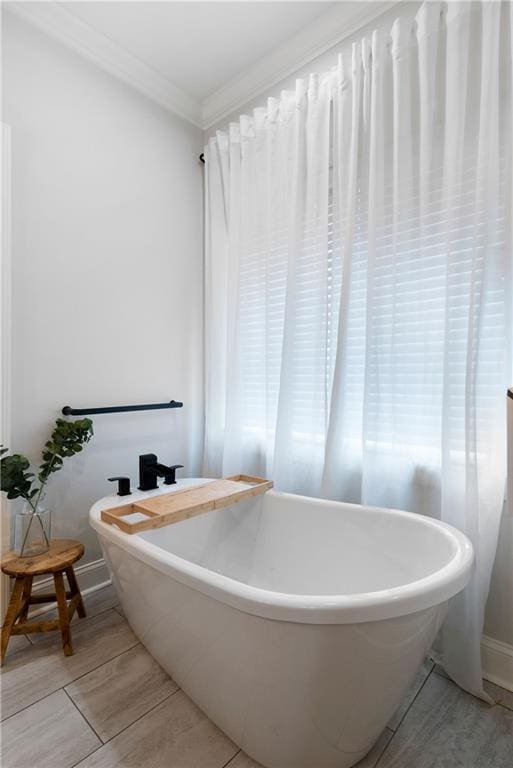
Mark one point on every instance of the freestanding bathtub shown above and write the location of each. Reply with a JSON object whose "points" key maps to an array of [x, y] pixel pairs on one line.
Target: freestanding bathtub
{"points": [[295, 624]]}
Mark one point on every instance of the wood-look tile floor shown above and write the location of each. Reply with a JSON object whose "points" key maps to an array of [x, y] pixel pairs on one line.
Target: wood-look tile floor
{"points": [[110, 705]]}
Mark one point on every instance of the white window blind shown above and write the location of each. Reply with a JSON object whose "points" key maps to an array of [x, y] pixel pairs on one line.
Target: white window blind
{"points": [[428, 269]]}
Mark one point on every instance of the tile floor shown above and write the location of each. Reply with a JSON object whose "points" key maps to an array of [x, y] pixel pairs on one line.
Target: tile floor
{"points": [[110, 705]]}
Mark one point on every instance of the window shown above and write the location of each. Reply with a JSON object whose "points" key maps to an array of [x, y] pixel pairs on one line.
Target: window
{"points": [[394, 346]]}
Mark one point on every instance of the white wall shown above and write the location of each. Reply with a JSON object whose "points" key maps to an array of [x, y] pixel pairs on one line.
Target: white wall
{"points": [[499, 617], [499, 609], [107, 269]]}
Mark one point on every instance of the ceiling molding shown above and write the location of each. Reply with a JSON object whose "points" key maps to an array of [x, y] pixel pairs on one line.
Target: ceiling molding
{"points": [[324, 32], [76, 34]]}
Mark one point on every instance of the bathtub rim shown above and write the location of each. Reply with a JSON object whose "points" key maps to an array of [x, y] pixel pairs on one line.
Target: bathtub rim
{"points": [[430, 591]]}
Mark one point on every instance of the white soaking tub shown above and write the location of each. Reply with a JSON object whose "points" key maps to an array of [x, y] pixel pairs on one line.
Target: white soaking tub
{"points": [[295, 624]]}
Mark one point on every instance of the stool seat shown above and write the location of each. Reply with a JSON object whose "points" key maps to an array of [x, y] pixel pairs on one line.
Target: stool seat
{"points": [[57, 560], [61, 554]]}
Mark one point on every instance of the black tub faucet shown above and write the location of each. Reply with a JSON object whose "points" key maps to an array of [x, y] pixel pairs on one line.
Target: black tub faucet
{"points": [[150, 469]]}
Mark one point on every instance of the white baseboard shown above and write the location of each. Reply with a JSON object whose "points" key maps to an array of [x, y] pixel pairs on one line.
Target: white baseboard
{"points": [[497, 662]]}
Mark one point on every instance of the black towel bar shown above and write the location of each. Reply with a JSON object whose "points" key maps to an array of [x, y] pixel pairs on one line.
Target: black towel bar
{"points": [[69, 411]]}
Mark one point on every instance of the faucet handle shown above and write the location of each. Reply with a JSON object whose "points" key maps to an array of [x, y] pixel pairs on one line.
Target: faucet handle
{"points": [[123, 485], [169, 477]]}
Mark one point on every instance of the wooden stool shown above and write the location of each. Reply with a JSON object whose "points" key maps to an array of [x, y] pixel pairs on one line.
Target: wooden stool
{"points": [[58, 560]]}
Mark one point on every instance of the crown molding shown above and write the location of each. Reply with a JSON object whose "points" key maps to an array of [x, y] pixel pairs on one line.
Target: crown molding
{"points": [[326, 31], [76, 34]]}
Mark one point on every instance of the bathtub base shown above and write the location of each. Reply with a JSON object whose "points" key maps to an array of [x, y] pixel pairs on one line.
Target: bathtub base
{"points": [[291, 695]]}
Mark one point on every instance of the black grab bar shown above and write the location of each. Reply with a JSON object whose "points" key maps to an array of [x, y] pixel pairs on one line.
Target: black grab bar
{"points": [[69, 411]]}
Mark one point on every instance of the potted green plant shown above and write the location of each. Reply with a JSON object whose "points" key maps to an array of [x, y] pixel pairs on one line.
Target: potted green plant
{"points": [[32, 524]]}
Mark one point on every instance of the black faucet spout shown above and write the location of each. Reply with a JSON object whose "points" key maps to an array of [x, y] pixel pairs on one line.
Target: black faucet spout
{"points": [[150, 469]]}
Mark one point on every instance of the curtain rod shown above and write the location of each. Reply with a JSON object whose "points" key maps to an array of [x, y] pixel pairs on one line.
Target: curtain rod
{"points": [[69, 411]]}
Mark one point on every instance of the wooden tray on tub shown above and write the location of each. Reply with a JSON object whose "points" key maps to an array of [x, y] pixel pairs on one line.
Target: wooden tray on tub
{"points": [[181, 505]]}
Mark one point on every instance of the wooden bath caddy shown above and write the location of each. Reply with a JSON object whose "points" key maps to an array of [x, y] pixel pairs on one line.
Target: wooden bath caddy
{"points": [[181, 505]]}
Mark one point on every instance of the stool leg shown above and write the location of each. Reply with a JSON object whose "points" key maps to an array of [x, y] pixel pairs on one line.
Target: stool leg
{"points": [[13, 609], [27, 591], [62, 606], [73, 585]]}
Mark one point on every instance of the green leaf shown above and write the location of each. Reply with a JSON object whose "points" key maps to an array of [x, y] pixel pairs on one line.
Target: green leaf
{"points": [[67, 439], [15, 480]]}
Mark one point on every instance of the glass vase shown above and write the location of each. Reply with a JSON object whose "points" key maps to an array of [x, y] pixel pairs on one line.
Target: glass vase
{"points": [[32, 530]]}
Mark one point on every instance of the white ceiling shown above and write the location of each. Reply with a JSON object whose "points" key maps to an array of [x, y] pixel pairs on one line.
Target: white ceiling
{"points": [[198, 46], [201, 60]]}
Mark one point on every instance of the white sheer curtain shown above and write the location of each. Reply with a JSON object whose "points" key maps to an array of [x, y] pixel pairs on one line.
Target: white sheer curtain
{"points": [[358, 235]]}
